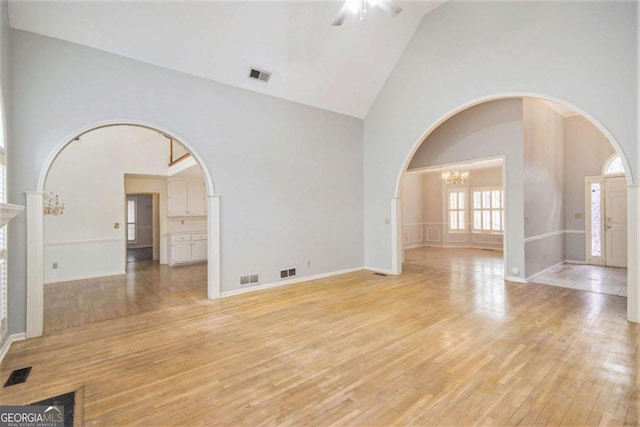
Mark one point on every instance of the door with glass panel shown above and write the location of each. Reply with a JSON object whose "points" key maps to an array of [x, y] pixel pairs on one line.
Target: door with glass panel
{"points": [[606, 220]]}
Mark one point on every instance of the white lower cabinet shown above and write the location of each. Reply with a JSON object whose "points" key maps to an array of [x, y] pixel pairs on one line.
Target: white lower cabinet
{"points": [[187, 247]]}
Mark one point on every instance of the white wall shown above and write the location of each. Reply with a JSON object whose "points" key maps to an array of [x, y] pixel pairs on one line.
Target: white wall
{"points": [[468, 51], [289, 177], [544, 210]]}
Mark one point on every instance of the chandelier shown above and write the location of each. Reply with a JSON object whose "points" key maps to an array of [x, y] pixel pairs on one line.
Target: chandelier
{"points": [[455, 177], [52, 205]]}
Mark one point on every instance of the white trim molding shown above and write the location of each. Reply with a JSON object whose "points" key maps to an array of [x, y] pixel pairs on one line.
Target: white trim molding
{"points": [[544, 236], [534, 275], [575, 231], [83, 242], [397, 251], [213, 251], [241, 291], [633, 253], [35, 264], [7, 343]]}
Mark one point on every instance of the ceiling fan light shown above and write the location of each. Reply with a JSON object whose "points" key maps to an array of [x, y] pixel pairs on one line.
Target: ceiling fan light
{"points": [[354, 6]]}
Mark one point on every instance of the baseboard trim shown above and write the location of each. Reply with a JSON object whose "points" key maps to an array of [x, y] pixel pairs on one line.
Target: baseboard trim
{"points": [[412, 246], [379, 270], [92, 276], [233, 292], [575, 261], [7, 343], [498, 247], [529, 278], [515, 279]]}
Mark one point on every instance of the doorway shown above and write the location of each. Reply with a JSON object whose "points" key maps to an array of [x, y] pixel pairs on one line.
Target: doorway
{"points": [[142, 227], [606, 208]]}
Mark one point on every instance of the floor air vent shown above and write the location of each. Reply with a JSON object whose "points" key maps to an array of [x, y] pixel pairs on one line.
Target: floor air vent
{"points": [[250, 279], [263, 76], [18, 376]]}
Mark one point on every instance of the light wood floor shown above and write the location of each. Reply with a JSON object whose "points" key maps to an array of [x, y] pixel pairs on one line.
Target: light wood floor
{"points": [[447, 343], [147, 286]]}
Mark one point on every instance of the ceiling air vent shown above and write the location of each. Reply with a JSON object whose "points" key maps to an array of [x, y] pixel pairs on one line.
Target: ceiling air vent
{"points": [[259, 75]]}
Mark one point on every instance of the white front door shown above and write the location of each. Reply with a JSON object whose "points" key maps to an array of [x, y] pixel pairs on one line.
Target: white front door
{"points": [[615, 224]]}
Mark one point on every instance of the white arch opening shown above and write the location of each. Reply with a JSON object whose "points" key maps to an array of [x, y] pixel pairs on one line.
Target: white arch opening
{"points": [[633, 303], [35, 229]]}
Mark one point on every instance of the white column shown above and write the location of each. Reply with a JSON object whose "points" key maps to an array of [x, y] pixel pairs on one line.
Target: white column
{"points": [[396, 236], [213, 267], [35, 264], [633, 253]]}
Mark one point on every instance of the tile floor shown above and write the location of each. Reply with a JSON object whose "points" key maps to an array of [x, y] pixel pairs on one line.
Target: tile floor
{"points": [[593, 278]]}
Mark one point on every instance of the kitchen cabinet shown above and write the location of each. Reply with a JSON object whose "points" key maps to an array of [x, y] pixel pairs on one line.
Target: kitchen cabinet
{"points": [[186, 197], [187, 247]]}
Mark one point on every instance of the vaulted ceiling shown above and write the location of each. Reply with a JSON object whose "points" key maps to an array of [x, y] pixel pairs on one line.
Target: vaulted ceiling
{"points": [[341, 69]]}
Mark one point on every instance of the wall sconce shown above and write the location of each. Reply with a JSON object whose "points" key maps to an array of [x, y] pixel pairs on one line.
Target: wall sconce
{"points": [[51, 204]]}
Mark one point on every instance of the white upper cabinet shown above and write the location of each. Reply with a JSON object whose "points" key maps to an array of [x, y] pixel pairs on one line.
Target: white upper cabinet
{"points": [[186, 197]]}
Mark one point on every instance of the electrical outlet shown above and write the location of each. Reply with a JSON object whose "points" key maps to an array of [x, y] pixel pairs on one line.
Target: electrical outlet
{"points": [[54, 266]]}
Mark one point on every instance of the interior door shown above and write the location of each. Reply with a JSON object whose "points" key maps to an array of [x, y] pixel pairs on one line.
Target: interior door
{"points": [[615, 222]]}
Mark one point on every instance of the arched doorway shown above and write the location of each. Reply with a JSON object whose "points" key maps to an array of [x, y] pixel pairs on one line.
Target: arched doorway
{"points": [[35, 229], [514, 241]]}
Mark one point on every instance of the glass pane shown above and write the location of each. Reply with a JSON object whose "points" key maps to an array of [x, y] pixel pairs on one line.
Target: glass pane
{"points": [[477, 220], [131, 232], [495, 221], [495, 199], [453, 200], [476, 200], [461, 200], [453, 221], [614, 166], [486, 220], [486, 199], [596, 220], [461, 220], [131, 211]]}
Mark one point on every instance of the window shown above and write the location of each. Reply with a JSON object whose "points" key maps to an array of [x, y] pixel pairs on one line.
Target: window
{"points": [[614, 166], [457, 209], [488, 210], [596, 219], [131, 220]]}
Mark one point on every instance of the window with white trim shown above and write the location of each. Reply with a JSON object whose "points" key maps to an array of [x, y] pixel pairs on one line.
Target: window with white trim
{"points": [[488, 210], [131, 220], [614, 166], [456, 206]]}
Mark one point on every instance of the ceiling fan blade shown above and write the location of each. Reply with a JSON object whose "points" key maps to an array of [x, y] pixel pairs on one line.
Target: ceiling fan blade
{"points": [[342, 15], [390, 7]]}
